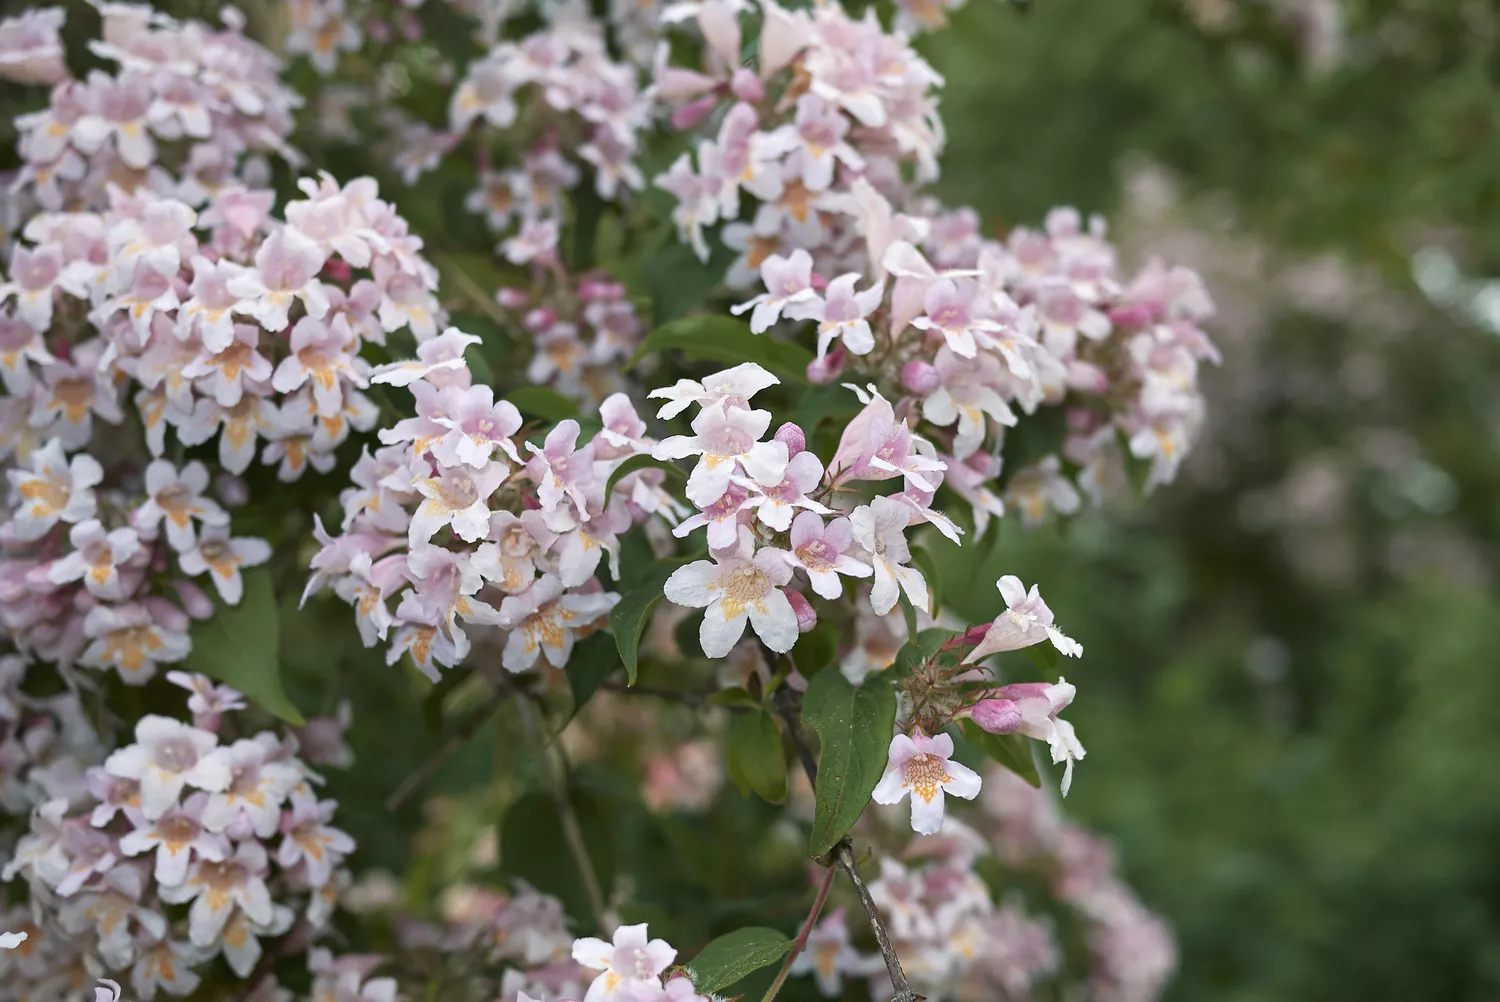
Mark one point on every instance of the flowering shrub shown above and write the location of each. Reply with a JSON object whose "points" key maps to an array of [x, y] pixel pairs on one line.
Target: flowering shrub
{"points": [[739, 522]]}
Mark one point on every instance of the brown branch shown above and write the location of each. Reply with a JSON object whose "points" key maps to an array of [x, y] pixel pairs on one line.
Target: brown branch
{"points": [[801, 942], [554, 770], [787, 703]]}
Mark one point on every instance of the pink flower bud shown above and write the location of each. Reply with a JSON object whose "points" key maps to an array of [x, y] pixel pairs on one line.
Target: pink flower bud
{"points": [[337, 269], [378, 30], [167, 615], [793, 437], [592, 290], [232, 490], [818, 282], [807, 618], [511, 298], [747, 86], [693, 112], [998, 716], [193, 599], [822, 371], [538, 320], [920, 377], [1087, 377], [1135, 315], [975, 634], [411, 27]]}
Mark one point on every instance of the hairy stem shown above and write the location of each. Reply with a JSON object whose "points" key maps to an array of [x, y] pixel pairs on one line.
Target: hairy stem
{"points": [[554, 771], [788, 703], [801, 942]]}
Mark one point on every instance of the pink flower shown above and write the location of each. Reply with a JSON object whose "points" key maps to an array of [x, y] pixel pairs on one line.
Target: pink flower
{"points": [[626, 965], [309, 839], [225, 373], [546, 620], [776, 503], [177, 498], [1026, 620], [788, 284], [96, 559], [841, 314], [1031, 708], [923, 766], [735, 588], [880, 527], [223, 556], [177, 837], [455, 496], [217, 888], [34, 274], [561, 470], [829, 956], [31, 50], [726, 439], [722, 519], [967, 395], [821, 551], [477, 424], [207, 310], [117, 109], [436, 359], [732, 387], [130, 640], [325, 355], [169, 755], [286, 270], [53, 490]]}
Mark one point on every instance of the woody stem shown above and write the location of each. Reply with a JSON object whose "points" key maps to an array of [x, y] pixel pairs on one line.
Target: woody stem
{"points": [[801, 942]]}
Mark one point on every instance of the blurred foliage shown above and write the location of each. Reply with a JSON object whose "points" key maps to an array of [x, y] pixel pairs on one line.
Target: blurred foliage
{"points": [[1288, 696]]}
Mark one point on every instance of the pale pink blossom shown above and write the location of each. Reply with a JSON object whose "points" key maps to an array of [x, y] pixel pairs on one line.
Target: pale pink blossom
{"points": [[725, 439], [822, 552], [1031, 708], [97, 559], [1026, 620], [175, 499], [55, 489], [223, 557], [167, 756], [217, 889], [177, 837], [788, 282], [735, 588], [309, 839], [628, 964], [923, 766], [546, 620], [286, 271], [128, 639], [880, 528], [732, 387], [456, 496]]}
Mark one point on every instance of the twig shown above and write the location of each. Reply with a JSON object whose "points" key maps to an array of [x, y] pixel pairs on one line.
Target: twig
{"points": [[801, 942], [449, 748], [843, 855], [687, 696], [557, 784]]}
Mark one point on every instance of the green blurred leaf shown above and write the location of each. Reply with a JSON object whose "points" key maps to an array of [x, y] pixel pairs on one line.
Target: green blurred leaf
{"points": [[924, 562], [239, 646], [542, 402], [726, 960], [1044, 656], [631, 615], [735, 695], [673, 471], [817, 648], [854, 728], [726, 339], [914, 652], [1011, 750], [591, 662], [676, 280], [756, 762]]}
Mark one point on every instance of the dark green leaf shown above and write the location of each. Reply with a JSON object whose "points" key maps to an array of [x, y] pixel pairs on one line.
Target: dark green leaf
{"points": [[734, 696], [817, 648], [854, 728], [924, 562], [534, 849], [238, 647], [1045, 657], [677, 281], [726, 339], [1039, 436], [726, 960], [630, 616], [625, 469], [542, 402], [756, 762], [1137, 469], [1011, 750], [592, 660], [909, 612]]}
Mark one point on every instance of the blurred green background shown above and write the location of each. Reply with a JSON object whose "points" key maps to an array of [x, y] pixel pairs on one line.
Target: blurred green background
{"points": [[1290, 691]]}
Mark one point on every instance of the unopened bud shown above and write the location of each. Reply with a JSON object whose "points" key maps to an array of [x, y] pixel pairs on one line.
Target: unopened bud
{"points": [[1087, 377], [511, 298], [693, 112], [337, 269], [920, 377], [998, 716], [793, 437], [233, 492], [807, 617], [747, 86], [193, 599], [166, 615], [538, 320], [822, 371], [1135, 315]]}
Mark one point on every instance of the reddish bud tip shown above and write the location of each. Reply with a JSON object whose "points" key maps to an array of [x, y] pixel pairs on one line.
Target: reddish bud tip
{"points": [[822, 371], [998, 716], [920, 377], [693, 112], [793, 437], [512, 298], [807, 617], [747, 86]]}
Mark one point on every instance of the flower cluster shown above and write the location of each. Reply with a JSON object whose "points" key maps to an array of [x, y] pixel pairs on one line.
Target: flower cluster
{"points": [[180, 847], [222, 324], [451, 521], [631, 967], [186, 108], [555, 92], [581, 333]]}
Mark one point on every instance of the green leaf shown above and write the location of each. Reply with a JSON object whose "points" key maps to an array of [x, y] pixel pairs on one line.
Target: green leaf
{"points": [[239, 646], [924, 562], [732, 956], [592, 660], [817, 648], [625, 469], [542, 402], [909, 612], [756, 762], [725, 339], [1136, 469], [914, 652], [1011, 750], [854, 728], [630, 616], [1045, 657], [734, 696], [676, 280]]}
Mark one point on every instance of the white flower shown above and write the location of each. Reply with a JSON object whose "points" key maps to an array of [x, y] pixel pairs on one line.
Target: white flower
{"points": [[923, 766], [735, 588], [178, 498], [725, 437], [880, 527], [223, 557], [733, 387], [626, 966], [53, 490], [167, 756], [1027, 620], [788, 285]]}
